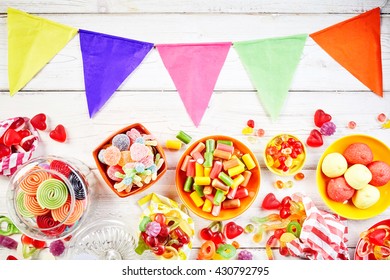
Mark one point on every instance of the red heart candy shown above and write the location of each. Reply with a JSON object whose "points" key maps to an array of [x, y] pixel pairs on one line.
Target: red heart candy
{"points": [[320, 117], [270, 202], [11, 137], [377, 237], [232, 230], [4, 150], [314, 139], [58, 134], [24, 133], [39, 121], [27, 142], [18, 124]]}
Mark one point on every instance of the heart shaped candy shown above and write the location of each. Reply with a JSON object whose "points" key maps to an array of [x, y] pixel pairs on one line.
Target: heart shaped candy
{"points": [[27, 142], [11, 137], [315, 139], [377, 236], [24, 133], [18, 124], [58, 134], [320, 117], [270, 202], [39, 121], [232, 230], [4, 151]]}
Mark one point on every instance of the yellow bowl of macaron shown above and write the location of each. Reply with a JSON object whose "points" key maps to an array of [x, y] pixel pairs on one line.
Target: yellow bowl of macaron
{"points": [[353, 176]]}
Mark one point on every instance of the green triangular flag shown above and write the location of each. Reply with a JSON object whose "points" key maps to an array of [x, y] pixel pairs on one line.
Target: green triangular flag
{"points": [[271, 64]]}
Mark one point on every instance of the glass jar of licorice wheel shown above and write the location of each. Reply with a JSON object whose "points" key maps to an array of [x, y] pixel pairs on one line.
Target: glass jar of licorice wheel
{"points": [[48, 197]]}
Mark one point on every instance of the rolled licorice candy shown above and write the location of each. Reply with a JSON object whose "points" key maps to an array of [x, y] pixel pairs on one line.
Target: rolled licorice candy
{"points": [[216, 183], [207, 206], [199, 148], [198, 157], [236, 170], [206, 171], [249, 162], [232, 193], [241, 193], [184, 137], [196, 199], [207, 190], [199, 190], [208, 159], [217, 167], [210, 145], [202, 181], [191, 168], [226, 142], [216, 210], [219, 197], [231, 203], [173, 144], [237, 181], [183, 166], [199, 172], [188, 184], [233, 162], [224, 147], [225, 178], [247, 176], [222, 154]]}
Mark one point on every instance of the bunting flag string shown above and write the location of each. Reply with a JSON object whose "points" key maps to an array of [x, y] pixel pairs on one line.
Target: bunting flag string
{"points": [[107, 61], [355, 44], [271, 64], [194, 68], [32, 42]]}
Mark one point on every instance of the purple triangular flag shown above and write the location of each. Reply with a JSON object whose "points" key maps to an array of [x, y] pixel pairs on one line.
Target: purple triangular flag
{"points": [[108, 60]]}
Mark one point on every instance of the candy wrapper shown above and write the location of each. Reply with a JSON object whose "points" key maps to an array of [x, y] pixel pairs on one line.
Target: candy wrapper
{"points": [[165, 229], [322, 237], [18, 140]]}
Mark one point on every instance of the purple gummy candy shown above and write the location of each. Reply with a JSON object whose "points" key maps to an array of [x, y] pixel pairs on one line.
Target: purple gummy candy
{"points": [[8, 242], [245, 255], [328, 128], [121, 141], [57, 248]]}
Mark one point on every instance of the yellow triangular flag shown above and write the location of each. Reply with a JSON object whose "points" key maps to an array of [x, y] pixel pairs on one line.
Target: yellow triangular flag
{"points": [[32, 42]]}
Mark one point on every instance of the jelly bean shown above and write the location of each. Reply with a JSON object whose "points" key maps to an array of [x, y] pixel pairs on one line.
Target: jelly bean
{"points": [[121, 141], [279, 184], [299, 176], [247, 130], [260, 132], [250, 123], [231, 203], [236, 244], [249, 162], [216, 169], [249, 228], [173, 144], [196, 199], [351, 125], [184, 137], [381, 118]]}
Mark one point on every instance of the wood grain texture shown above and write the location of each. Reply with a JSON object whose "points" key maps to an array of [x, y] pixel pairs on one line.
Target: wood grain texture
{"points": [[148, 96]]}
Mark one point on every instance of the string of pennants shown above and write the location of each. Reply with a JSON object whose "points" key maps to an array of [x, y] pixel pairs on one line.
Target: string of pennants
{"points": [[194, 68]]}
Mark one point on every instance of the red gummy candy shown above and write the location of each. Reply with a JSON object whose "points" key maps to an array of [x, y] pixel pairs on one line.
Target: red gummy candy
{"points": [[232, 230], [315, 139], [320, 117], [11, 137], [11, 258], [4, 150], [270, 202], [27, 142], [39, 121], [58, 134], [18, 124], [377, 237], [251, 123], [24, 133]]}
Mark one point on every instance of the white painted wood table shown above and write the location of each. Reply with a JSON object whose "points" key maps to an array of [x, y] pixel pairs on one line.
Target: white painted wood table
{"points": [[149, 97]]}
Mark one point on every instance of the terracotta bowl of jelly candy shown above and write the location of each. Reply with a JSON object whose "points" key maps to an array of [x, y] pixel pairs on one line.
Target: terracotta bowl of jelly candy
{"points": [[285, 155], [374, 243], [230, 180], [48, 197], [347, 209], [130, 160]]}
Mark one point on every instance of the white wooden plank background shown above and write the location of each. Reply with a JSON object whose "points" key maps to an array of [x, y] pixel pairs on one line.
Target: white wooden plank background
{"points": [[148, 95]]}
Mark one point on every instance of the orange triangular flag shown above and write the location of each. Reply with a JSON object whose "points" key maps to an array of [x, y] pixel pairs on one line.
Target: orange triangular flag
{"points": [[355, 44]]}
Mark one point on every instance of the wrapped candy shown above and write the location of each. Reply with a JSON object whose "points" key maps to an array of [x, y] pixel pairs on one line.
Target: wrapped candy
{"points": [[165, 230]]}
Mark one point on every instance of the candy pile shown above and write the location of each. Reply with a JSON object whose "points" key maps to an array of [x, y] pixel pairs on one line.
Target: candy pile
{"points": [[353, 174], [326, 127], [181, 138], [285, 154], [216, 246], [217, 174], [375, 243], [131, 160], [44, 198]]}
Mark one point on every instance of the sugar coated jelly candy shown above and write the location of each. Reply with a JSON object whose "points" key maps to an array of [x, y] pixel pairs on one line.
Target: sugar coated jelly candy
{"points": [[328, 128], [351, 125], [121, 141], [299, 176], [112, 155]]}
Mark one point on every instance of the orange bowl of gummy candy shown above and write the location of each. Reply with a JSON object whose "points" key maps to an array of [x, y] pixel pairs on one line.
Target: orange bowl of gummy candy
{"points": [[285, 155], [130, 160], [218, 178]]}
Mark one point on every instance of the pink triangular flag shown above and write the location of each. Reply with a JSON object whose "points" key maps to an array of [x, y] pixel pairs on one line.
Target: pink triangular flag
{"points": [[194, 69]]}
